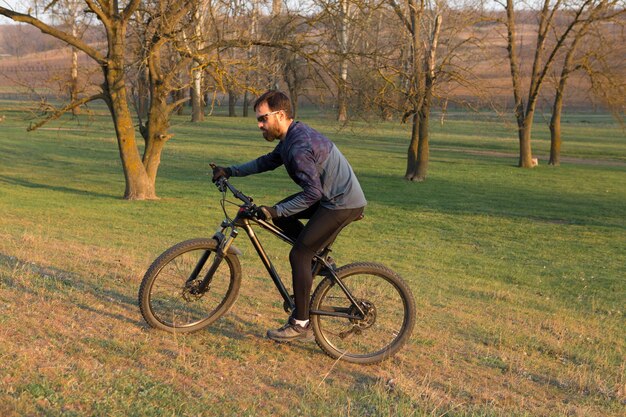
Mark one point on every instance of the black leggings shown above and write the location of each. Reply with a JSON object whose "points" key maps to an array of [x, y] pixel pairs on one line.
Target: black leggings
{"points": [[320, 231]]}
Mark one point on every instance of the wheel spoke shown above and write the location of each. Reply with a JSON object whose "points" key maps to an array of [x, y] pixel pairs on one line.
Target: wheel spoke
{"points": [[387, 323], [170, 301]]}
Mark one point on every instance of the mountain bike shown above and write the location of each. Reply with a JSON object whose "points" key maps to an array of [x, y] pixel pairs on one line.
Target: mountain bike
{"points": [[362, 312]]}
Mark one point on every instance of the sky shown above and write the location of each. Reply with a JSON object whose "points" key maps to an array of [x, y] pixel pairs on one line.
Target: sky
{"points": [[17, 5], [22, 5]]}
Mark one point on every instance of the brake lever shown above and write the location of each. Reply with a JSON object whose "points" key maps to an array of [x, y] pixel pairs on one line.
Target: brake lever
{"points": [[221, 184]]}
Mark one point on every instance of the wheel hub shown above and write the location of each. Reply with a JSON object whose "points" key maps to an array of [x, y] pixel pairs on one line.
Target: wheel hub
{"points": [[191, 291], [370, 315]]}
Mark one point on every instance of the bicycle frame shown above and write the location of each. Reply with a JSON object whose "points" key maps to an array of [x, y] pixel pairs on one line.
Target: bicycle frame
{"points": [[244, 220]]}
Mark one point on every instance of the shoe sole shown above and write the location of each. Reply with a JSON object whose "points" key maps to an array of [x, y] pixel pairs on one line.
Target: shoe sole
{"points": [[309, 338]]}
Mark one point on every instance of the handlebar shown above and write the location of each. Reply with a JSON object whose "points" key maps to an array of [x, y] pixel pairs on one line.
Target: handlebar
{"points": [[222, 183]]}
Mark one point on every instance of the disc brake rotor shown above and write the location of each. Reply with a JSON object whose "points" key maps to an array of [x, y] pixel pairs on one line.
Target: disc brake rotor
{"points": [[358, 325], [370, 315], [191, 291]]}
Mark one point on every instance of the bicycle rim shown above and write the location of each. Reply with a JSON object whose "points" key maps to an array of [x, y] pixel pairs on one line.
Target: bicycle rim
{"points": [[388, 322], [168, 301]]}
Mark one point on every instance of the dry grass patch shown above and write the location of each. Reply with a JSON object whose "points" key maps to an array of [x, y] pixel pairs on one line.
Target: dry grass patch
{"points": [[74, 343]]}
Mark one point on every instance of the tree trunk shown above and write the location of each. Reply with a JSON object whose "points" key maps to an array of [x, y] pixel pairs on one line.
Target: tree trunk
{"points": [[199, 21], [156, 135], [415, 91], [342, 105], [555, 130], [557, 106], [525, 151], [294, 103], [179, 95], [74, 81], [74, 63], [524, 119], [293, 84], [277, 7], [143, 93], [246, 103], [138, 185], [197, 107], [232, 103], [412, 152], [342, 100], [423, 150]]}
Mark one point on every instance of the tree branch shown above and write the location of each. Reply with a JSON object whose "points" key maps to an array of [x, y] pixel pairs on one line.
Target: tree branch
{"points": [[534, 92], [49, 30], [131, 8], [104, 18], [401, 15], [64, 110]]}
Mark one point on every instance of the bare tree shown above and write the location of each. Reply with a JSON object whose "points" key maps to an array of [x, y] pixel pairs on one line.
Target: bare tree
{"points": [[288, 49], [594, 55], [199, 22], [115, 17], [344, 29], [339, 16], [114, 21], [70, 14], [425, 65], [374, 50], [252, 55], [349, 29], [137, 74], [165, 60], [544, 57]]}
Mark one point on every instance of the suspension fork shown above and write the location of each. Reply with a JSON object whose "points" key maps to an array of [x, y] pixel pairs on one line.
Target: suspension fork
{"points": [[223, 245]]}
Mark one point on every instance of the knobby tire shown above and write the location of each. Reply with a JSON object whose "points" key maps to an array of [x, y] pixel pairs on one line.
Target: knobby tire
{"points": [[165, 301], [387, 326]]}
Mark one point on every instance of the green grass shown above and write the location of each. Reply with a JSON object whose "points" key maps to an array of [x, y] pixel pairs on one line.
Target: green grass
{"points": [[519, 275]]}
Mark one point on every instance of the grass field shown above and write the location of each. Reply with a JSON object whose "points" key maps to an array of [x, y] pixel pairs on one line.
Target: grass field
{"points": [[519, 276]]}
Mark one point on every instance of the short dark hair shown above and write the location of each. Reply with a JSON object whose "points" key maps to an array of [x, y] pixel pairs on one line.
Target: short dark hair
{"points": [[276, 100]]}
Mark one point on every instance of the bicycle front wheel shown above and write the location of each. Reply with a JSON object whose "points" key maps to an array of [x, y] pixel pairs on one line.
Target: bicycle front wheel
{"points": [[387, 323], [169, 295]]}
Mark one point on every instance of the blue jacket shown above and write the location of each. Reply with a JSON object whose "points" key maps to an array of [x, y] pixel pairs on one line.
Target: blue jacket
{"points": [[316, 165]]}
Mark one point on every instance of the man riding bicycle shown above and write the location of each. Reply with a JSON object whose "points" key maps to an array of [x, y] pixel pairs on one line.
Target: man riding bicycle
{"points": [[331, 197]]}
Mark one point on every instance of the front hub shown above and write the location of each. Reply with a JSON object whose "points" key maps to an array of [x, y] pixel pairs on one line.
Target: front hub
{"points": [[191, 291]]}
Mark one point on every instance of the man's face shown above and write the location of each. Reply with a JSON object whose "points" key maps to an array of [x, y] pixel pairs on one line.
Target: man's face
{"points": [[268, 122]]}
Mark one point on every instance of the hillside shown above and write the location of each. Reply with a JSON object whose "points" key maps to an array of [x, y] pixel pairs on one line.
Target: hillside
{"points": [[31, 60]]}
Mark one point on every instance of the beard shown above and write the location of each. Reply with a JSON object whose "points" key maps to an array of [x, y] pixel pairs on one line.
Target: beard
{"points": [[271, 133]]}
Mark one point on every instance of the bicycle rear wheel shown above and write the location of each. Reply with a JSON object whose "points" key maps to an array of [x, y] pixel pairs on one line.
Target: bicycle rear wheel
{"points": [[170, 301], [389, 314]]}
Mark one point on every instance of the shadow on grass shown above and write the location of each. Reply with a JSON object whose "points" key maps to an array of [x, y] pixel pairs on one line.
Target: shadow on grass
{"points": [[513, 201], [29, 184], [61, 282]]}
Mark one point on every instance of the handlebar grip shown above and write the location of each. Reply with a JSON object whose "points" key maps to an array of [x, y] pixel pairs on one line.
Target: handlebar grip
{"points": [[222, 183]]}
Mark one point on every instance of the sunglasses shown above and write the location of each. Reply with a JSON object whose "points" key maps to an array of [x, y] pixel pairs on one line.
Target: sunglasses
{"points": [[263, 118]]}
